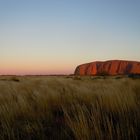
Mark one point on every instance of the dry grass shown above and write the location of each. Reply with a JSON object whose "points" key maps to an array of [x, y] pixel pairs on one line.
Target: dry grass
{"points": [[69, 108]]}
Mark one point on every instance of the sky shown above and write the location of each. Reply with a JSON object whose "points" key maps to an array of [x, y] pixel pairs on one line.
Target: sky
{"points": [[54, 36]]}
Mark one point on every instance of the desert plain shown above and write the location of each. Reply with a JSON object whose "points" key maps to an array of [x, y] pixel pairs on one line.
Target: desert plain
{"points": [[69, 108]]}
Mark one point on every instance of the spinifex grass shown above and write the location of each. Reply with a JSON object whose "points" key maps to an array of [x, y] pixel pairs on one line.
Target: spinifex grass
{"points": [[61, 108]]}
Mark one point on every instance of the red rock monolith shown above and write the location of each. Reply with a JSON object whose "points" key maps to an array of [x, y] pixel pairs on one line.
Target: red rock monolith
{"points": [[111, 67]]}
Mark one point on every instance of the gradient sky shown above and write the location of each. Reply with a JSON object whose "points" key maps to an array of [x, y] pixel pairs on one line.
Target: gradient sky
{"points": [[54, 36]]}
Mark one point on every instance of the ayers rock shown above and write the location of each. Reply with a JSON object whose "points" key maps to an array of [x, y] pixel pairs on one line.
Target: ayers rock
{"points": [[111, 67]]}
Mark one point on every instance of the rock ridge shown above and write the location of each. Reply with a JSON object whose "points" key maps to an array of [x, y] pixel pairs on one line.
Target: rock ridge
{"points": [[110, 67]]}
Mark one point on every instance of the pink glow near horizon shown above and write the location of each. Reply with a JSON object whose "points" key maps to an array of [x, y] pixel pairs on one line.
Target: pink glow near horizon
{"points": [[35, 70], [29, 72]]}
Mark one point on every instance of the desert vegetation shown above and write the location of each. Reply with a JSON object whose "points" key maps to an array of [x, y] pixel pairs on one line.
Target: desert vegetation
{"points": [[69, 108]]}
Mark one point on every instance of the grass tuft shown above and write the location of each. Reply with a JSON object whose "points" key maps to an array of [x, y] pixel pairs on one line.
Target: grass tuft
{"points": [[77, 108]]}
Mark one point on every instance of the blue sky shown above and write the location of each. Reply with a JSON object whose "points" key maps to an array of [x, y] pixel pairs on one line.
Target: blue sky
{"points": [[54, 36]]}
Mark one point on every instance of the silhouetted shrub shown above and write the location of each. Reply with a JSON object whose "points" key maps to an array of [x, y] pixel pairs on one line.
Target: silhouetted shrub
{"points": [[15, 79], [134, 75], [77, 78], [103, 73]]}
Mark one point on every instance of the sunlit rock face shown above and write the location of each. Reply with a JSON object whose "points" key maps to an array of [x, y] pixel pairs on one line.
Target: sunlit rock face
{"points": [[112, 67]]}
